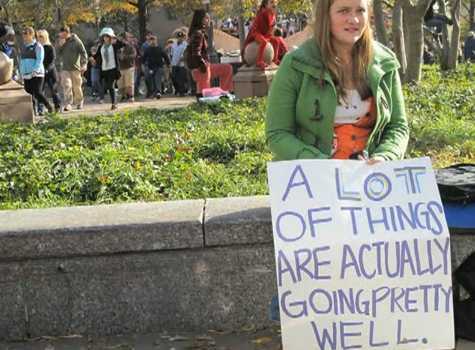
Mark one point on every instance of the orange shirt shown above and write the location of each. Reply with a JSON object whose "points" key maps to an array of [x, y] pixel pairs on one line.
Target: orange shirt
{"points": [[350, 139]]}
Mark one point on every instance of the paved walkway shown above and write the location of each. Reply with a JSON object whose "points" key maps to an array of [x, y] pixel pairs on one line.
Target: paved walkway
{"points": [[166, 102], [213, 340]]}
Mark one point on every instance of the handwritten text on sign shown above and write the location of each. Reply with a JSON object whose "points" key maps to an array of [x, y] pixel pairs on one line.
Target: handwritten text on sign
{"points": [[362, 255]]}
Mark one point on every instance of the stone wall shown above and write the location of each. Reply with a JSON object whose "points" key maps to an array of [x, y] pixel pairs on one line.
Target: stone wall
{"points": [[189, 265], [144, 267]]}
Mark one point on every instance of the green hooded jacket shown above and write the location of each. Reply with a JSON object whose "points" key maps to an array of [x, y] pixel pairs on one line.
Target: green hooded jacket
{"points": [[301, 107]]}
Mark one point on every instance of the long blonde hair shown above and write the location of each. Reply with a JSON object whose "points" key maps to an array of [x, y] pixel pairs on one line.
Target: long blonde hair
{"points": [[362, 52], [44, 34]]}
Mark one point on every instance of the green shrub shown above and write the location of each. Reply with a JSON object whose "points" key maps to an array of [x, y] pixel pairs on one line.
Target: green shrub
{"points": [[196, 152], [441, 113]]}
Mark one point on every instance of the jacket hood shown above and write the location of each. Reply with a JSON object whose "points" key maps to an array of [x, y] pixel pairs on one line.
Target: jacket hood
{"points": [[74, 37]]}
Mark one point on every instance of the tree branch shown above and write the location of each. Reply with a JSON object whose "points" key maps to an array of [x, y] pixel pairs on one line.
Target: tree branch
{"points": [[422, 6]]}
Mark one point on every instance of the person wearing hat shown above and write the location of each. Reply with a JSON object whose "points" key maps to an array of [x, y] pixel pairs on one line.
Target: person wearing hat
{"points": [[179, 74], [8, 47], [107, 59], [7, 37]]}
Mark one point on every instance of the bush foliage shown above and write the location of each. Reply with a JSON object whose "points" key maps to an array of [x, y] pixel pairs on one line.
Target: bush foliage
{"points": [[195, 152]]}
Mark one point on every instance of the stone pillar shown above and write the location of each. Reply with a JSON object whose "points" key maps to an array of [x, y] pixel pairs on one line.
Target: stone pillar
{"points": [[6, 68], [15, 103], [251, 81]]}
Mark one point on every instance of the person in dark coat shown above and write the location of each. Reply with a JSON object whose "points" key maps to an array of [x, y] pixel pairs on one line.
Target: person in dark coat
{"points": [[154, 60], [8, 47], [469, 47], [107, 58], [49, 63]]}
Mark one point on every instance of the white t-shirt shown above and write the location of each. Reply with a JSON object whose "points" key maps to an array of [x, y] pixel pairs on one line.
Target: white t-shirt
{"points": [[177, 53], [109, 63], [351, 109]]}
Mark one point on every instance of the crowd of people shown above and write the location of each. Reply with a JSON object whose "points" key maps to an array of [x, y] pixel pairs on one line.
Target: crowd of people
{"points": [[117, 65], [288, 25], [114, 65]]}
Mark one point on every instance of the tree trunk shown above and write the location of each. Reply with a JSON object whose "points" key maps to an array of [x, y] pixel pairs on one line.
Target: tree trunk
{"points": [[472, 15], [59, 19], [142, 14], [445, 49], [413, 17], [7, 13], [413, 23], [455, 42], [398, 38], [381, 34], [126, 22], [38, 15], [242, 32]]}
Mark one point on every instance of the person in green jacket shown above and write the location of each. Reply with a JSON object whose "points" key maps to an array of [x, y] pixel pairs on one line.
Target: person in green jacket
{"points": [[338, 96], [73, 57]]}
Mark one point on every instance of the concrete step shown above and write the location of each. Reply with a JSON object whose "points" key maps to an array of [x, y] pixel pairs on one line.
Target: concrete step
{"points": [[268, 339], [256, 340], [465, 345]]}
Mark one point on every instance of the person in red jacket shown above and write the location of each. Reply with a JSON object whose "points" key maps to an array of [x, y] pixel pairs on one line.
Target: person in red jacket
{"points": [[262, 31], [282, 47]]}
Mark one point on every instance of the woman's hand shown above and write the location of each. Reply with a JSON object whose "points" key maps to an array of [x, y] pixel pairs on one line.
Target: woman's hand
{"points": [[372, 160], [375, 160]]}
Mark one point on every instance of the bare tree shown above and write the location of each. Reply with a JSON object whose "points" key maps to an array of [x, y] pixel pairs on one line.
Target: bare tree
{"points": [[455, 40], [142, 9], [381, 34], [413, 19], [471, 12], [398, 38], [444, 51]]}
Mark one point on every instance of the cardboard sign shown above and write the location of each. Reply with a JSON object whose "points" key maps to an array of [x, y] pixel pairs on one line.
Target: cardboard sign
{"points": [[362, 255]]}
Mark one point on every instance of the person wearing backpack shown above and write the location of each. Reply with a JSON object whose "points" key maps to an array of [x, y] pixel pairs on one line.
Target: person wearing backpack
{"points": [[32, 69]]}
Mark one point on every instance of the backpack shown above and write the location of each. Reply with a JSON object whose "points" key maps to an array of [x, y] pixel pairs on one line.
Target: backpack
{"points": [[457, 183], [457, 191], [464, 310]]}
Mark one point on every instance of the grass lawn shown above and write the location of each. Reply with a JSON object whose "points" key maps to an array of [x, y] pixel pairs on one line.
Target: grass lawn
{"points": [[196, 152]]}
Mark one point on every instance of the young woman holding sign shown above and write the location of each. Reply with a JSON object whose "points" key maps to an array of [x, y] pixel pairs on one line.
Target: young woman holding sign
{"points": [[339, 95]]}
